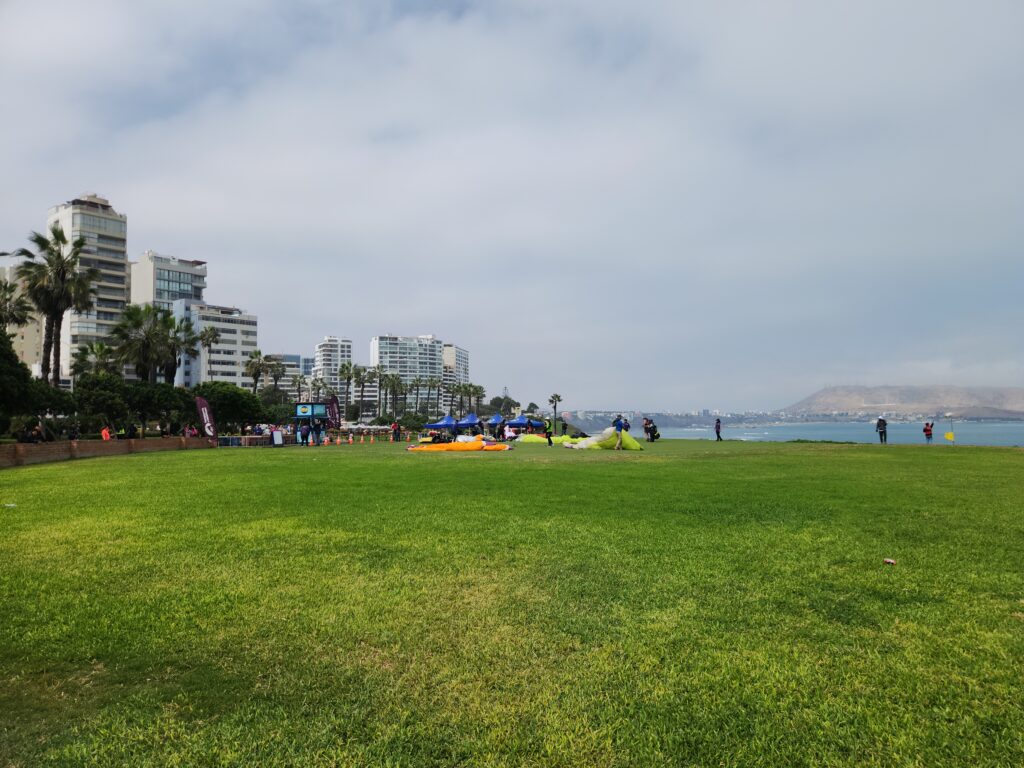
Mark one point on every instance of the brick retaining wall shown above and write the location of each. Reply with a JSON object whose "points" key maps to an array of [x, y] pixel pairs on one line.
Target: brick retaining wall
{"points": [[18, 454]]}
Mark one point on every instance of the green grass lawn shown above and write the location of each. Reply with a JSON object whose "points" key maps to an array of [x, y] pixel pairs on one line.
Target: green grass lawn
{"points": [[695, 604]]}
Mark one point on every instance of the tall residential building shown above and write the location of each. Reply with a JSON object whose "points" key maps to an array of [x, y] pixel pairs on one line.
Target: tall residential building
{"points": [[328, 357], [28, 339], [409, 356], [292, 368], [454, 370], [226, 360], [307, 366], [161, 280], [105, 231]]}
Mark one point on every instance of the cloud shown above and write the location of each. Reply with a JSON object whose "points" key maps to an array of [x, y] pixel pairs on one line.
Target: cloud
{"points": [[669, 205]]}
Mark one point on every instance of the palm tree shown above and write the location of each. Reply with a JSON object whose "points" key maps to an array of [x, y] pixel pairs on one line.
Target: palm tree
{"points": [[345, 375], [478, 394], [433, 384], [276, 372], [95, 357], [55, 284], [316, 387], [182, 343], [297, 382], [359, 378], [207, 338], [142, 339], [440, 392], [15, 309], [414, 386], [255, 367], [553, 401]]}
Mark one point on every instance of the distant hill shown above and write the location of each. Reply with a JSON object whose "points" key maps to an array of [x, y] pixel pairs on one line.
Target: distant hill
{"points": [[965, 402]]}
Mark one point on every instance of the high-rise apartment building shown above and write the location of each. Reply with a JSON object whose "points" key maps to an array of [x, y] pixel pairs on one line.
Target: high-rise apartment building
{"points": [[105, 231], [161, 280], [328, 357], [226, 360], [292, 368], [454, 370], [27, 340], [410, 357]]}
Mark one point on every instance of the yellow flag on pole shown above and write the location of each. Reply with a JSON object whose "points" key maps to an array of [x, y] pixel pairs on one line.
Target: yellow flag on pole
{"points": [[950, 437]]}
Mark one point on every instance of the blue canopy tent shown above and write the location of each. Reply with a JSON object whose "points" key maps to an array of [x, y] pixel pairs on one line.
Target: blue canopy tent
{"points": [[522, 421], [446, 423], [495, 420], [469, 420]]}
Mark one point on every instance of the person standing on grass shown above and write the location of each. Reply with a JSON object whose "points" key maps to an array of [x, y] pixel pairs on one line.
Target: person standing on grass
{"points": [[718, 430], [304, 433], [548, 431], [396, 431], [881, 427], [618, 432], [928, 427]]}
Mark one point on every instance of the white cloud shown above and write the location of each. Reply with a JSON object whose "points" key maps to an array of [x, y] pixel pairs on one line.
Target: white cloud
{"points": [[660, 205]]}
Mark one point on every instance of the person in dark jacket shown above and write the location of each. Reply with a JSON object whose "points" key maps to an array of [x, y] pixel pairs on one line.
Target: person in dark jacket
{"points": [[881, 427], [718, 430]]}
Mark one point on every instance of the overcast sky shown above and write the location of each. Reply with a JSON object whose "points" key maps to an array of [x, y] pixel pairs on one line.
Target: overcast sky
{"points": [[650, 205]]}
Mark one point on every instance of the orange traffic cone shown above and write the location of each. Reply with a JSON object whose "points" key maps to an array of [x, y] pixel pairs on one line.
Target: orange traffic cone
{"points": [[362, 438], [337, 440], [409, 436], [392, 438], [371, 438], [350, 438]]}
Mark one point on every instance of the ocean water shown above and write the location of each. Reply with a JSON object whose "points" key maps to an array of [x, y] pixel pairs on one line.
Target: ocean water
{"points": [[1005, 433]]}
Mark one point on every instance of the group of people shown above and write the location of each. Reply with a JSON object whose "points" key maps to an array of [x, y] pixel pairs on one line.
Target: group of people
{"points": [[651, 432], [882, 428]]}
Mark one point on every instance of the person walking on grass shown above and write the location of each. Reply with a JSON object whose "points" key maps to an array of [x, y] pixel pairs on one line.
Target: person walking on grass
{"points": [[881, 427], [928, 428], [618, 432], [718, 430]]}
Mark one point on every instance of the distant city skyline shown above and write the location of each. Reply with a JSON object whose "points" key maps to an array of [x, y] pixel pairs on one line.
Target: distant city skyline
{"points": [[658, 206]]}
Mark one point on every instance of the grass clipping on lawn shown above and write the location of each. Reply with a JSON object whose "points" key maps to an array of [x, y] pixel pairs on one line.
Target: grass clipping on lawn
{"points": [[697, 603]]}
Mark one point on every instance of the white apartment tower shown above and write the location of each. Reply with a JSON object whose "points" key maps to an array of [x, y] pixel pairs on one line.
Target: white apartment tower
{"points": [[105, 231], [454, 370], [226, 360], [28, 339], [161, 280], [328, 357]]}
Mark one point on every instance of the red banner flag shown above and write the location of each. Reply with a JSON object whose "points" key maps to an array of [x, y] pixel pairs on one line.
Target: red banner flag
{"points": [[333, 412], [206, 417]]}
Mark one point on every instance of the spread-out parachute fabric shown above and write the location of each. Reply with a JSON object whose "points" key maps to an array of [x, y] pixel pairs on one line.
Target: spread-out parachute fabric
{"points": [[479, 444], [538, 439], [606, 441]]}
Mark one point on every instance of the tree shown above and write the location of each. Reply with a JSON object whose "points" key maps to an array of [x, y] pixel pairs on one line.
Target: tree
{"points": [[182, 342], [232, 406], [532, 407], [255, 367], [553, 401], [207, 338], [15, 383], [276, 371], [146, 401], [345, 375], [361, 377], [15, 308], [142, 338], [55, 283], [478, 394], [416, 385], [101, 398], [95, 357], [316, 387], [298, 383]]}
